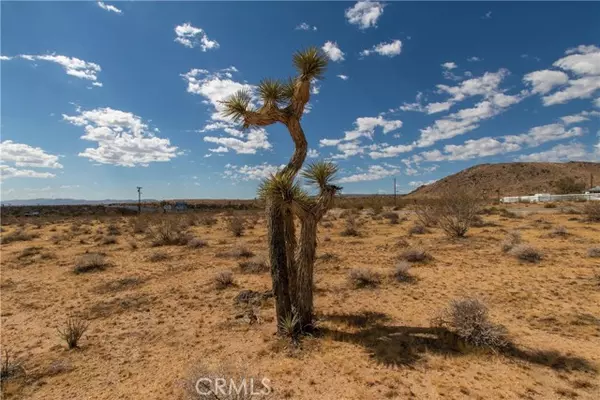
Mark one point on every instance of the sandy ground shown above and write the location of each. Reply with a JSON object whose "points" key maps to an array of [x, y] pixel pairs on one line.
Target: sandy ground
{"points": [[148, 334]]}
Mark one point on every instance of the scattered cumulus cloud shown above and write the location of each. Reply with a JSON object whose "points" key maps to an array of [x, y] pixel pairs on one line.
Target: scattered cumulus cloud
{"points": [[373, 173], [449, 65], [561, 152], [191, 36], [365, 14], [390, 49], [21, 155], [343, 77], [73, 66], [250, 172], [332, 50], [312, 153], [305, 27], [108, 7]]}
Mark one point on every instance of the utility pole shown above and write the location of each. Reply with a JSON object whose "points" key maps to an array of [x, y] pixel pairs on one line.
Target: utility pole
{"points": [[139, 189], [394, 191]]}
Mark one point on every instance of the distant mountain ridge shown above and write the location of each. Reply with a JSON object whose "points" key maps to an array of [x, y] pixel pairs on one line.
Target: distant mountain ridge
{"points": [[66, 202], [513, 179]]}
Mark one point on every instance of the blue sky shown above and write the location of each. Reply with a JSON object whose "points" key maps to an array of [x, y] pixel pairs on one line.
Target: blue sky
{"points": [[98, 98]]}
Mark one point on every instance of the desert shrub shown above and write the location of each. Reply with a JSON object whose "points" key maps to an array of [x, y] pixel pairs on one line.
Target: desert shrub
{"points": [[512, 239], [568, 185], [158, 256], [327, 224], [593, 252], [10, 367], [18, 236], [392, 217], [254, 266], [559, 231], [351, 226], [139, 224], [416, 255], [456, 210], [72, 332], [207, 220], [113, 230], [119, 285], [426, 213], [417, 229], [29, 252], [402, 272], [592, 211], [90, 262], [169, 232], [237, 252], [361, 277], [469, 320], [326, 257], [223, 280], [549, 205], [196, 243], [527, 253], [109, 240], [509, 214], [235, 225]]}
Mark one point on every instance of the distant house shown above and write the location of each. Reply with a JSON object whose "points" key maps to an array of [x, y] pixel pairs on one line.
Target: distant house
{"points": [[180, 206]]}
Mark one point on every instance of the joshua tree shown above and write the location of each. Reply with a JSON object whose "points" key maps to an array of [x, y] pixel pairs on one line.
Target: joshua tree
{"points": [[292, 261]]}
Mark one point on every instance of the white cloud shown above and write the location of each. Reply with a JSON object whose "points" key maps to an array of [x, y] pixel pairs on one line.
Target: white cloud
{"points": [[449, 65], [391, 151], [390, 49], [343, 77], [250, 172], [562, 152], [5, 58], [597, 102], [191, 36], [582, 88], [23, 155], [122, 138], [108, 7], [421, 183], [545, 80], [249, 143], [473, 59], [374, 173], [305, 27], [580, 117], [312, 153], [582, 60], [7, 172], [487, 15], [333, 51], [73, 66], [365, 13]]}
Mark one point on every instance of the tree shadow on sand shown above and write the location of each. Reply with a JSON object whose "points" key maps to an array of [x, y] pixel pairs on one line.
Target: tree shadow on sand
{"points": [[405, 345]]}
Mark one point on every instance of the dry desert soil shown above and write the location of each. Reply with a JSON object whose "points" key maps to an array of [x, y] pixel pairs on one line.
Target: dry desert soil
{"points": [[157, 318]]}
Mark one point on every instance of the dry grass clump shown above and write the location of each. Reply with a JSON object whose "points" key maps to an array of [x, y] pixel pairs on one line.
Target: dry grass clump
{"points": [[196, 243], [235, 225], [327, 224], [119, 285], [237, 252], [525, 252], [416, 255], [512, 239], [392, 217], [456, 210], [29, 252], [426, 213], [351, 227], [90, 262], [592, 211], [159, 256], [402, 273], [362, 277], [72, 332], [139, 224], [469, 320], [169, 232], [113, 230], [593, 252], [207, 220], [559, 231], [10, 367], [417, 229], [224, 280], [254, 266], [109, 240], [18, 236]]}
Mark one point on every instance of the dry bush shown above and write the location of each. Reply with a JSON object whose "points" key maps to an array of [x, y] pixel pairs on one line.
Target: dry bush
{"points": [[456, 210], [326, 257], [119, 285], [90, 262], [113, 230], [549, 205], [237, 252], [196, 243], [361, 278], [169, 232], [158, 256], [512, 239], [592, 211], [207, 220], [10, 367], [426, 213], [351, 226], [326, 224], [392, 217], [235, 225], [254, 266], [527, 253], [18, 236], [109, 240], [593, 252], [139, 224], [509, 214], [416, 255], [469, 320], [29, 252], [559, 231], [72, 332], [402, 272], [223, 280], [417, 229]]}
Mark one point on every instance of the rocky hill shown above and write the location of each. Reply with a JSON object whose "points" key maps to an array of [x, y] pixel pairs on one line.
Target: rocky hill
{"points": [[514, 179]]}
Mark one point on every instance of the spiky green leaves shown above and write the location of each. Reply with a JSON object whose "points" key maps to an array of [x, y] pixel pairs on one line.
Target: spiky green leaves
{"points": [[271, 91], [283, 190], [311, 63], [237, 105], [320, 173]]}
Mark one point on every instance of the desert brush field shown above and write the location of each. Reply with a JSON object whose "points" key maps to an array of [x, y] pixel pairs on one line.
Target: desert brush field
{"points": [[150, 303]]}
